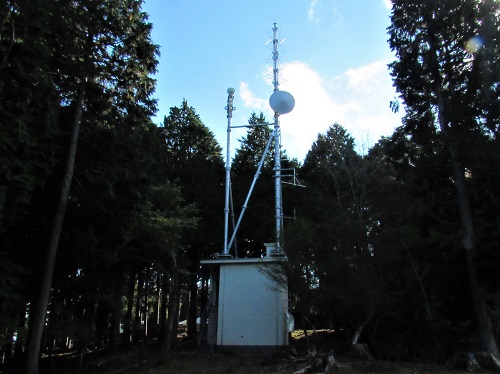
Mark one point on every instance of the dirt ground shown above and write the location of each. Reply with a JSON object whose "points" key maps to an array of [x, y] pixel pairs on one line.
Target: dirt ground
{"points": [[186, 359], [292, 360], [204, 363]]}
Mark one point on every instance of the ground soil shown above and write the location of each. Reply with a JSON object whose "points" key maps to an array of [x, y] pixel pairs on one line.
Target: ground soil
{"points": [[199, 363], [186, 358]]}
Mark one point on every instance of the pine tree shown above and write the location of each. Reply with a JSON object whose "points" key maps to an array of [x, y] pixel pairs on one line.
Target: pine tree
{"points": [[194, 159], [447, 74], [102, 58]]}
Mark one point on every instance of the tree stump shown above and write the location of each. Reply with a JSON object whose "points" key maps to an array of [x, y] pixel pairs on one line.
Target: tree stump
{"points": [[361, 351], [465, 361], [324, 362], [488, 361], [331, 364]]}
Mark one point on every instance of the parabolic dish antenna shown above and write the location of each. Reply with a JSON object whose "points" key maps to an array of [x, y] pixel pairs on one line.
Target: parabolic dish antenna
{"points": [[282, 102]]}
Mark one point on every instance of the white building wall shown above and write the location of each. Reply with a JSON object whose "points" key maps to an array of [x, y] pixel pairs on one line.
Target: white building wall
{"points": [[251, 309]]}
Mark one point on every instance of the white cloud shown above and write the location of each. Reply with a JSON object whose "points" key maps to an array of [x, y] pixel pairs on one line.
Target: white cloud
{"points": [[370, 87], [250, 100], [315, 109], [312, 7], [388, 4], [365, 78], [357, 99]]}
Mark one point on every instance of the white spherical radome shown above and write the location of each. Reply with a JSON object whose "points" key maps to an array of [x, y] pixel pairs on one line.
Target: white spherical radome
{"points": [[282, 102]]}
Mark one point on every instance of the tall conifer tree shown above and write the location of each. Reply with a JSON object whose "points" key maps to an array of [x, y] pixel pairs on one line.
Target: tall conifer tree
{"points": [[447, 72]]}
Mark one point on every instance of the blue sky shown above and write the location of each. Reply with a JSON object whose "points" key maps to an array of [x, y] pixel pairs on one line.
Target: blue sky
{"points": [[333, 60]]}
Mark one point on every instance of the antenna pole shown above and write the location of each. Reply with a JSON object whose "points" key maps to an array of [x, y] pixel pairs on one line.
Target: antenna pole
{"points": [[277, 144], [255, 177], [229, 109]]}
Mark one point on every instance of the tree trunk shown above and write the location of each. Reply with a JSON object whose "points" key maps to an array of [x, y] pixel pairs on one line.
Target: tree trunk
{"points": [[193, 307], [361, 327], [162, 323], [145, 306], [6, 349], [116, 313], [157, 304], [485, 326], [361, 350], [128, 315], [173, 310], [101, 323], [427, 305], [114, 329], [483, 318], [138, 307], [37, 316]]}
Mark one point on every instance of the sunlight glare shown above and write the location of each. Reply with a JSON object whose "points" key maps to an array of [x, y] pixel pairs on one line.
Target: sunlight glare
{"points": [[474, 44]]}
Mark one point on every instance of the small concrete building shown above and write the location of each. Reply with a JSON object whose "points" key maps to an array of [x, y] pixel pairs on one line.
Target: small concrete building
{"points": [[247, 310]]}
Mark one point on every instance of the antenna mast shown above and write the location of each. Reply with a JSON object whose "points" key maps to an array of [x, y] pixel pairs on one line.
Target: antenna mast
{"points": [[281, 102], [277, 146], [275, 57], [229, 108]]}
